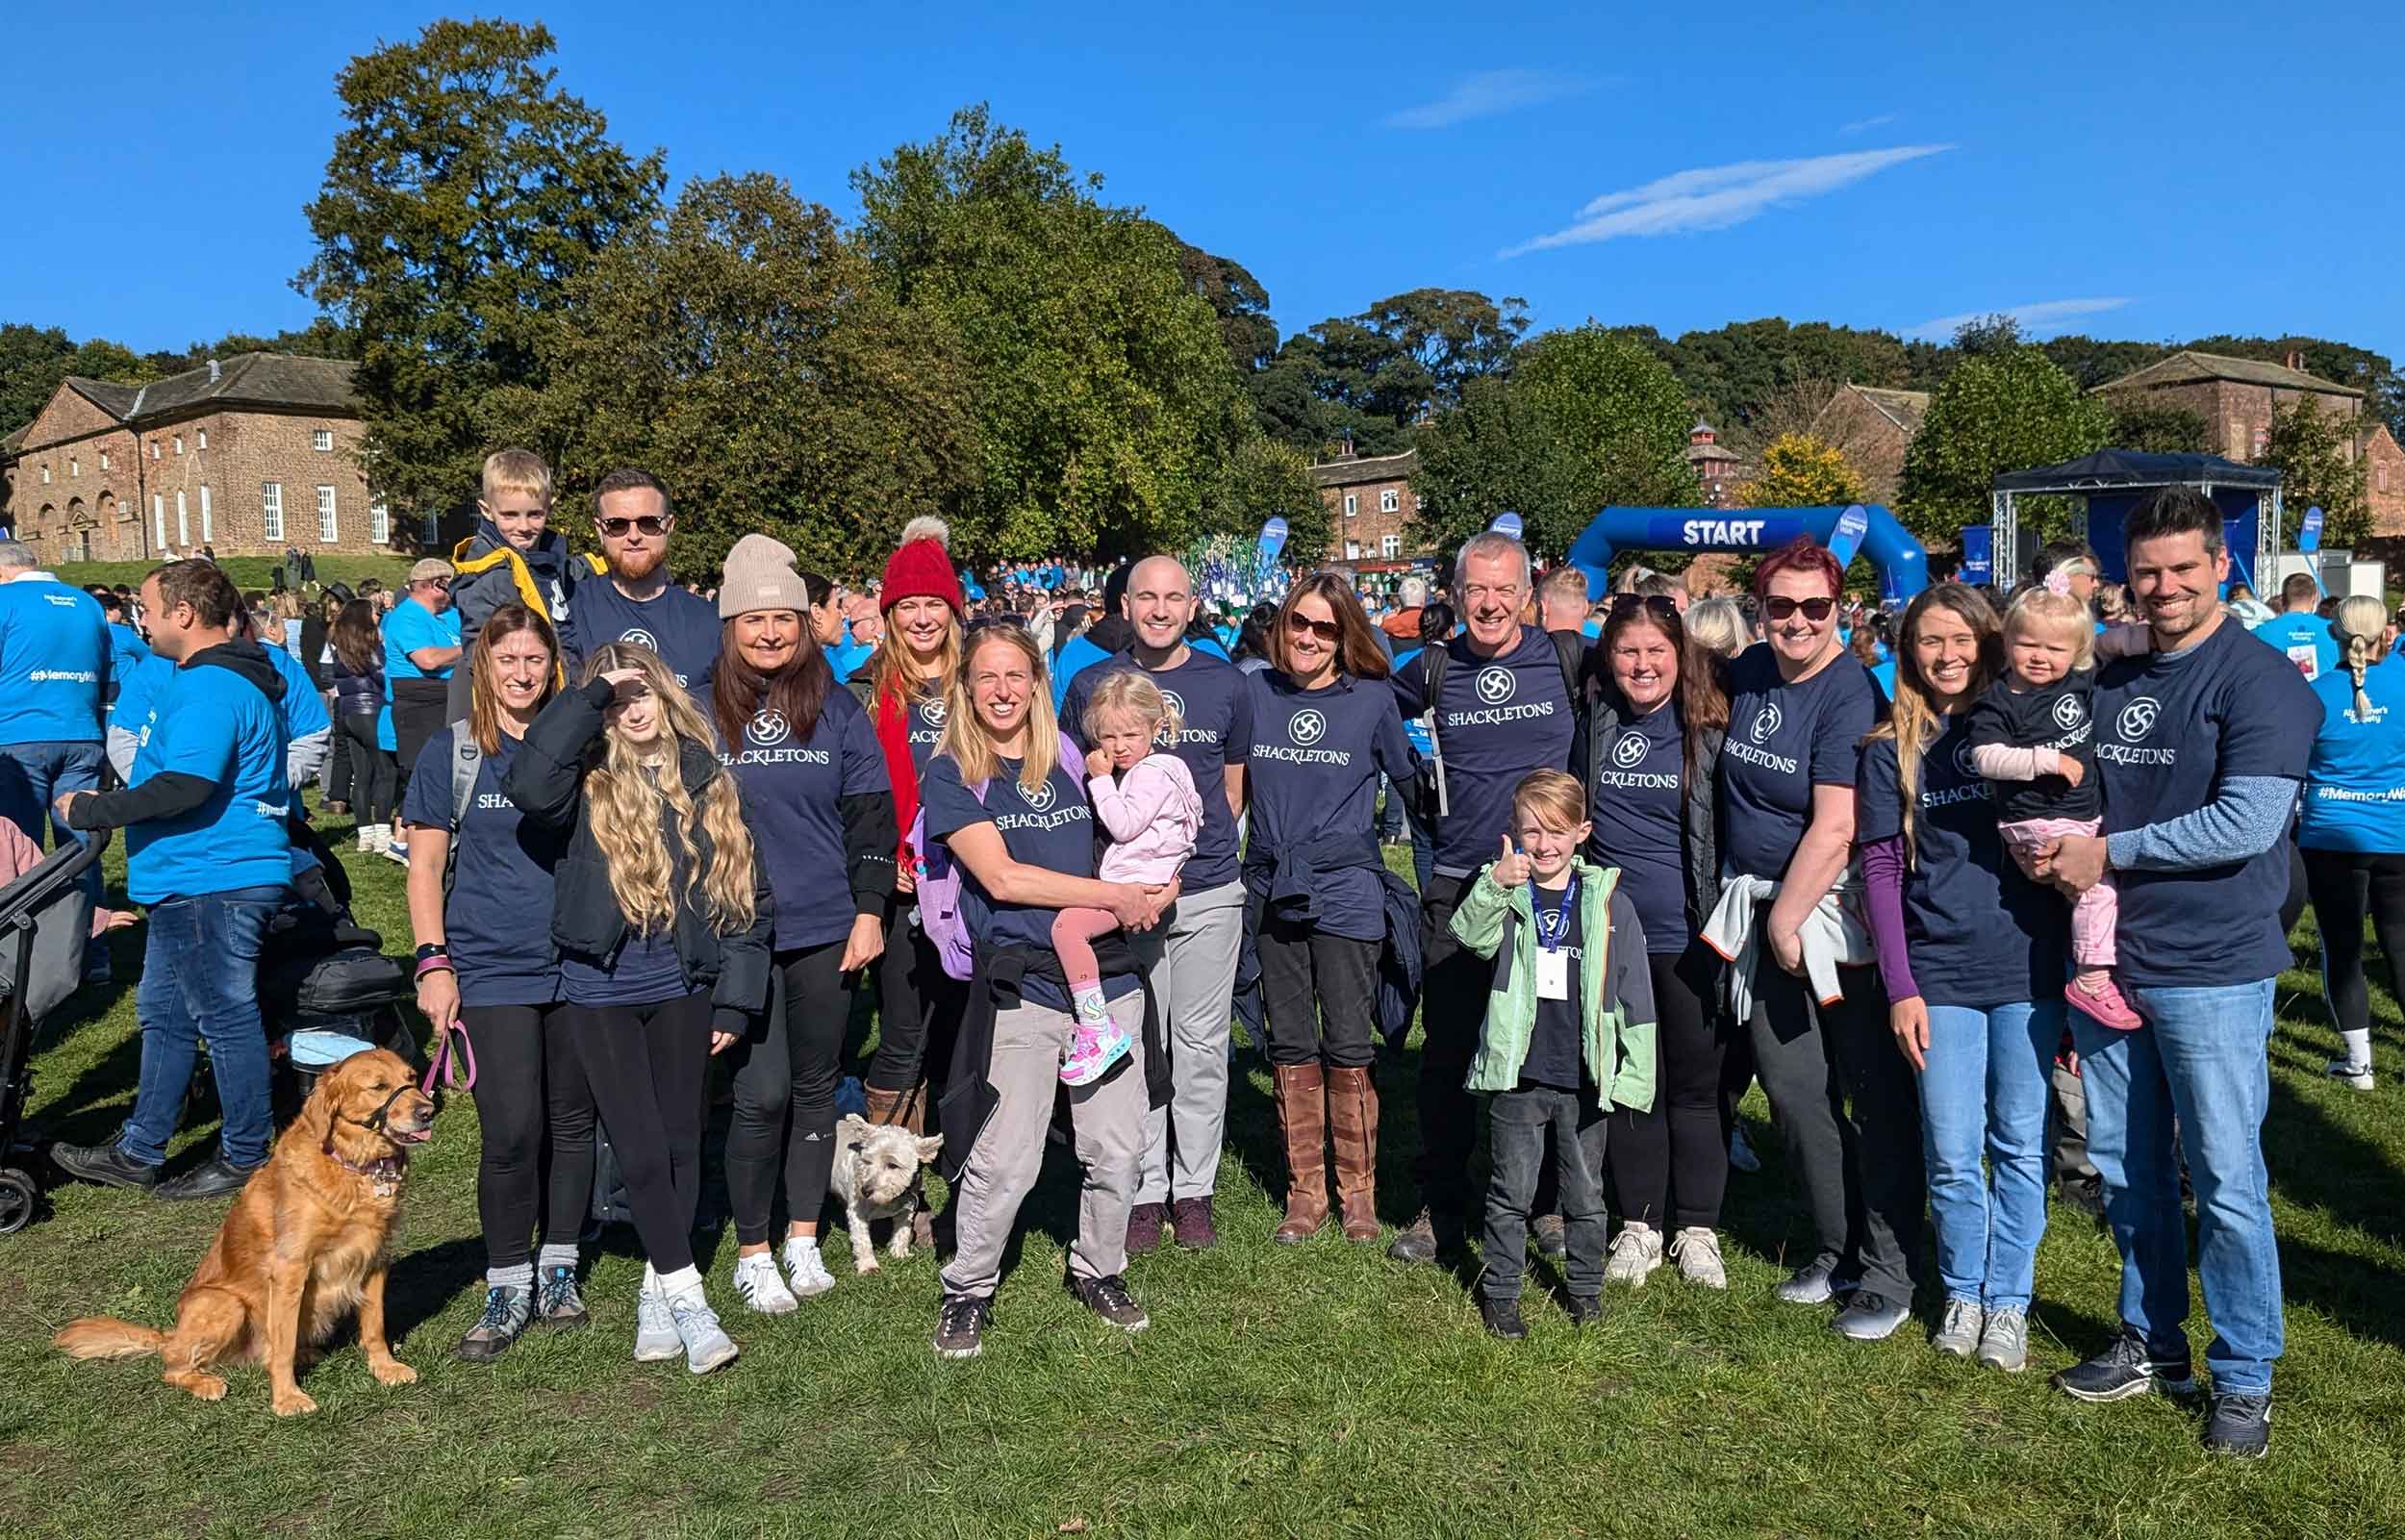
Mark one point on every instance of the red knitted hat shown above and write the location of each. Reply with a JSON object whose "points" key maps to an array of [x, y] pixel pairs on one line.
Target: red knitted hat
{"points": [[920, 570]]}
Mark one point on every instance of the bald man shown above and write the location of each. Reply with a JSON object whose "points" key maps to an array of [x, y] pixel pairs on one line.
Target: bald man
{"points": [[1191, 955]]}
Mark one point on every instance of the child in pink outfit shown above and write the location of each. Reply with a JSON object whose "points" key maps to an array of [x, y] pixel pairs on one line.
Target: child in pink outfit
{"points": [[1145, 799]]}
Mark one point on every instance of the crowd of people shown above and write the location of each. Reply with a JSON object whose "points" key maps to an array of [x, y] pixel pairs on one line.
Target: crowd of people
{"points": [[2033, 878]]}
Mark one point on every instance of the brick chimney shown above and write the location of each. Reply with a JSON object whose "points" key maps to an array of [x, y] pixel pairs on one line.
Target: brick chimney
{"points": [[1701, 434], [2297, 359]]}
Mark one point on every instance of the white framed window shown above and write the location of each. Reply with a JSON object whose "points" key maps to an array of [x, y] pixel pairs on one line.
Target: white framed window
{"points": [[45, 473], [326, 526], [203, 437], [183, 521], [1353, 551], [153, 448], [379, 524], [104, 459], [159, 520], [179, 444], [1350, 508], [74, 467], [322, 440], [1390, 501], [1390, 547], [208, 528], [271, 510]]}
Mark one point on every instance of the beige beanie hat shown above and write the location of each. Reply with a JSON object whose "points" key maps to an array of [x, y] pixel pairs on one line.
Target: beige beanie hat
{"points": [[760, 575]]}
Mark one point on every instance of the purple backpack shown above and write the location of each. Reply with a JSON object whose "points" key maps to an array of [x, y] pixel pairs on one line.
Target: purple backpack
{"points": [[937, 878]]}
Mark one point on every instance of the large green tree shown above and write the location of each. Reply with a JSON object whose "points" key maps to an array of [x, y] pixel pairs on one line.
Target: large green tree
{"points": [[2315, 453], [1106, 401], [1370, 378], [746, 350], [33, 361], [2005, 409], [464, 195]]}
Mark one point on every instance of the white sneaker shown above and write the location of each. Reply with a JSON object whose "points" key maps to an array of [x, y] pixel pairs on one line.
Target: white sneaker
{"points": [[1697, 1251], [368, 840], [1961, 1330], [706, 1344], [761, 1287], [1635, 1255], [655, 1327], [808, 1267], [1741, 1156], [2358, 1075]]}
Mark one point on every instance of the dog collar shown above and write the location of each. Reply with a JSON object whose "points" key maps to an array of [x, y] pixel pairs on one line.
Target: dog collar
{"points": [[385, 1170]]}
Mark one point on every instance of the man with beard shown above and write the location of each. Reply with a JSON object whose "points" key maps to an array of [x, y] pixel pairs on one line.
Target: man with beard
{"points": [[1502, 707], [640, 603]]}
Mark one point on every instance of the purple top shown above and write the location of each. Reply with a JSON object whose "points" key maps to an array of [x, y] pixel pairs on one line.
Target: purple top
{"points": [[1883, 879]]}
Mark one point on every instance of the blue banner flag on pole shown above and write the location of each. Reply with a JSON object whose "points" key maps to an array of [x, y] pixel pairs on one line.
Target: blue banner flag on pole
{"points": [[1847, 537], [2308, 538], [1979, 554]]}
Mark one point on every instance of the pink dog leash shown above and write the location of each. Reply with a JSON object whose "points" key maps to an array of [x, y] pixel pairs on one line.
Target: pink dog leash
{"points": [[448, 1062]]}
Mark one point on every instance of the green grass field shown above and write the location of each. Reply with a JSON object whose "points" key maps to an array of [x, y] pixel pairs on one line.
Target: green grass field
{"points": [[1318, 1390]]}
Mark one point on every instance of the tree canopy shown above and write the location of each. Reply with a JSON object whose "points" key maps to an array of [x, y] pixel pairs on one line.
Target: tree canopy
{"points": [[1800, 471], [2007, 409], [2314, 451]]}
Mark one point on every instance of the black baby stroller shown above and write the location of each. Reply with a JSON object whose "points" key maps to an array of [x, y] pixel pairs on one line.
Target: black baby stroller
{"points": [[45, 924]]}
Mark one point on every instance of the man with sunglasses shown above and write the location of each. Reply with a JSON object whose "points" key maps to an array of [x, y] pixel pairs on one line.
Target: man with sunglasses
{"points": [[421, 643], [639, 603], [1504, 707]]}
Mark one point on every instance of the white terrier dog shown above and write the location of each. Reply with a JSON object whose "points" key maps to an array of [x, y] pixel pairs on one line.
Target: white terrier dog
{"points": [[876, 1175]]}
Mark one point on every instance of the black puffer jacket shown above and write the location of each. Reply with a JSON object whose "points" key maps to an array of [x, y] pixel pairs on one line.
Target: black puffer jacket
{"points": [[546, 780]]}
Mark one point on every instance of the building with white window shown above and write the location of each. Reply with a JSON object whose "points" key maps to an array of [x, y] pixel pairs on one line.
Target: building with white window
{"points": [[1371, 503]]}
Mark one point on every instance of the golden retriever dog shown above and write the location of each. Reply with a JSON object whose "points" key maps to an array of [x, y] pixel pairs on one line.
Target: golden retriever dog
{"points": [[303, 1246]]}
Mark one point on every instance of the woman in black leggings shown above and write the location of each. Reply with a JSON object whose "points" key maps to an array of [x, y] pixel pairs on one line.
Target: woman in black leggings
{"points": [[476, 868], [1652, 756], [358, 679], [661, 917], [816, 797]]}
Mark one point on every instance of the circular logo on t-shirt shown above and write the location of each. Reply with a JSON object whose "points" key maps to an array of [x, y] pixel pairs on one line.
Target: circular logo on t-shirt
{"points": [[1176, 708], [2069, 713], [1964, 764], [932, 713], [640, 638], [767, 727], [1306, 727], [1040, 799], [2136, 719], [1632, 749], [1496, 685], [1765, 722]]}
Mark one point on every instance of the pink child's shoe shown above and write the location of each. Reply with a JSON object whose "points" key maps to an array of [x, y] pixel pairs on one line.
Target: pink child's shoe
{"points": [[1094, 1050], [2105, 1003]]}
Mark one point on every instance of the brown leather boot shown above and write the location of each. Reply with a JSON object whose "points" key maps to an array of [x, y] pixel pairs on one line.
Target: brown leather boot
{"points": [[1352, 1118], [1303, 1112]]}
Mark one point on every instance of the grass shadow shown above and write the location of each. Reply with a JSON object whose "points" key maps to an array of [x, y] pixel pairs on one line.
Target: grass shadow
{"points": [[425, 1281]]}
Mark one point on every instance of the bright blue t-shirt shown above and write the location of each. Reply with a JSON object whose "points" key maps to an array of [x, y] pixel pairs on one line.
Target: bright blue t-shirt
{"points": [[1883, 674], [411, 627], [793, 791], [1501, 718], [1414, 727], [2304, 640], [501, 877], [1317, 755], [1072, 660], [1639, 817], [1216, 712], [682, 627], [2355, 784], [54, 663], [212, 722], [847, 656], [1783, 740], [2168, 728], [126, 650]]}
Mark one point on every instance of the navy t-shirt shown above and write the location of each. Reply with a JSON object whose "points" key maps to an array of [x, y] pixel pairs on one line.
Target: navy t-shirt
{"points": [[1053, 829], [926, 730], [1317, 755], [793, 790], [2168, 728], [644, 971], [1783, 740], [681, 627], [1638, 811], [1555, 1059], [1500, 719], [1208, 695], [1977, 932], [492, 919]]}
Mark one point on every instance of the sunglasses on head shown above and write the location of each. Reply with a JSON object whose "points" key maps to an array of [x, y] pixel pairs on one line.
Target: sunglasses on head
{"points": [[648, 523], [1650, 603], [1780, 607], [1325, 630]]}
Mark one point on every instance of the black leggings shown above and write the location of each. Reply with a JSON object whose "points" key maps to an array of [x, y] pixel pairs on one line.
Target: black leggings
{"points": [[918, 1010], [647, 1066], [374, 771], [789, 1063], [1318, 996], [2345, 883], [535, 1170], [1677, 1153]]}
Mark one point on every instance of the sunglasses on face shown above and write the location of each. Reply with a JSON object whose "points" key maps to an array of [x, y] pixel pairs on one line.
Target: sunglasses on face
{"points": [[1325, 630], [1650, 603], [443, 583], [648, 523], [1779, 608]]}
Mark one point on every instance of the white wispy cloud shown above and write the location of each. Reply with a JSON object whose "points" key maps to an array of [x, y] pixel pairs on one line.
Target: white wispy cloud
{"points": [[2044, 318], [1714, 197], [1486, 93], [1861, 124]]}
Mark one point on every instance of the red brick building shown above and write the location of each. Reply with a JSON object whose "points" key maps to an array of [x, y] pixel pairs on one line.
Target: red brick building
{"points": [[1872, 427], [1718, 470], [245, 455], [1370, 504]]}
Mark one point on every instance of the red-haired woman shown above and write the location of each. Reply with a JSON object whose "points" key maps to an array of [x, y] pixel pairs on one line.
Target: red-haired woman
{"points": [[1798, 709]]}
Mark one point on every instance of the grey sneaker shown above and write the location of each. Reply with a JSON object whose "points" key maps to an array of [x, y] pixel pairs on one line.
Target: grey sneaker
{"points": [[1809, 1284], [707, 1346], [1868, 1318], [960, 1325], [507, 1311], [2004, 1341], [655, 1327], [559, 1303], [2346, 1073], [1697, 1251], [1958, 1329], [1635, 1255], [2239, 1425]]}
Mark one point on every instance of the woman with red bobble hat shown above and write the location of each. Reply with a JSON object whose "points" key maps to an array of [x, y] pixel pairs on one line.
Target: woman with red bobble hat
{"points": [[919, 1004]]}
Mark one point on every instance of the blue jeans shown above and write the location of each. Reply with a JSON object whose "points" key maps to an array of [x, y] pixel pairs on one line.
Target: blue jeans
{"points": [[32, 777], [201, 979], [2204, 1057], [1984, 1093]]}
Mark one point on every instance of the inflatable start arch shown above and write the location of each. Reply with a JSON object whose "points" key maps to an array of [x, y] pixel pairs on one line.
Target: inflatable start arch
{"points": [[1902, 566]]}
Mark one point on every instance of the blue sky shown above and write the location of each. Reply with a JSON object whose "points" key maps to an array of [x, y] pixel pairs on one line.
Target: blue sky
{"points": [[2128, 169]]}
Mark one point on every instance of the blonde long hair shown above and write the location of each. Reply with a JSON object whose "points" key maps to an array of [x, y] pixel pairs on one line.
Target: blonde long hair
{"points": [[628, 785], [892, 671], [1914, 723], [2360, 625], [966, 738]]}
